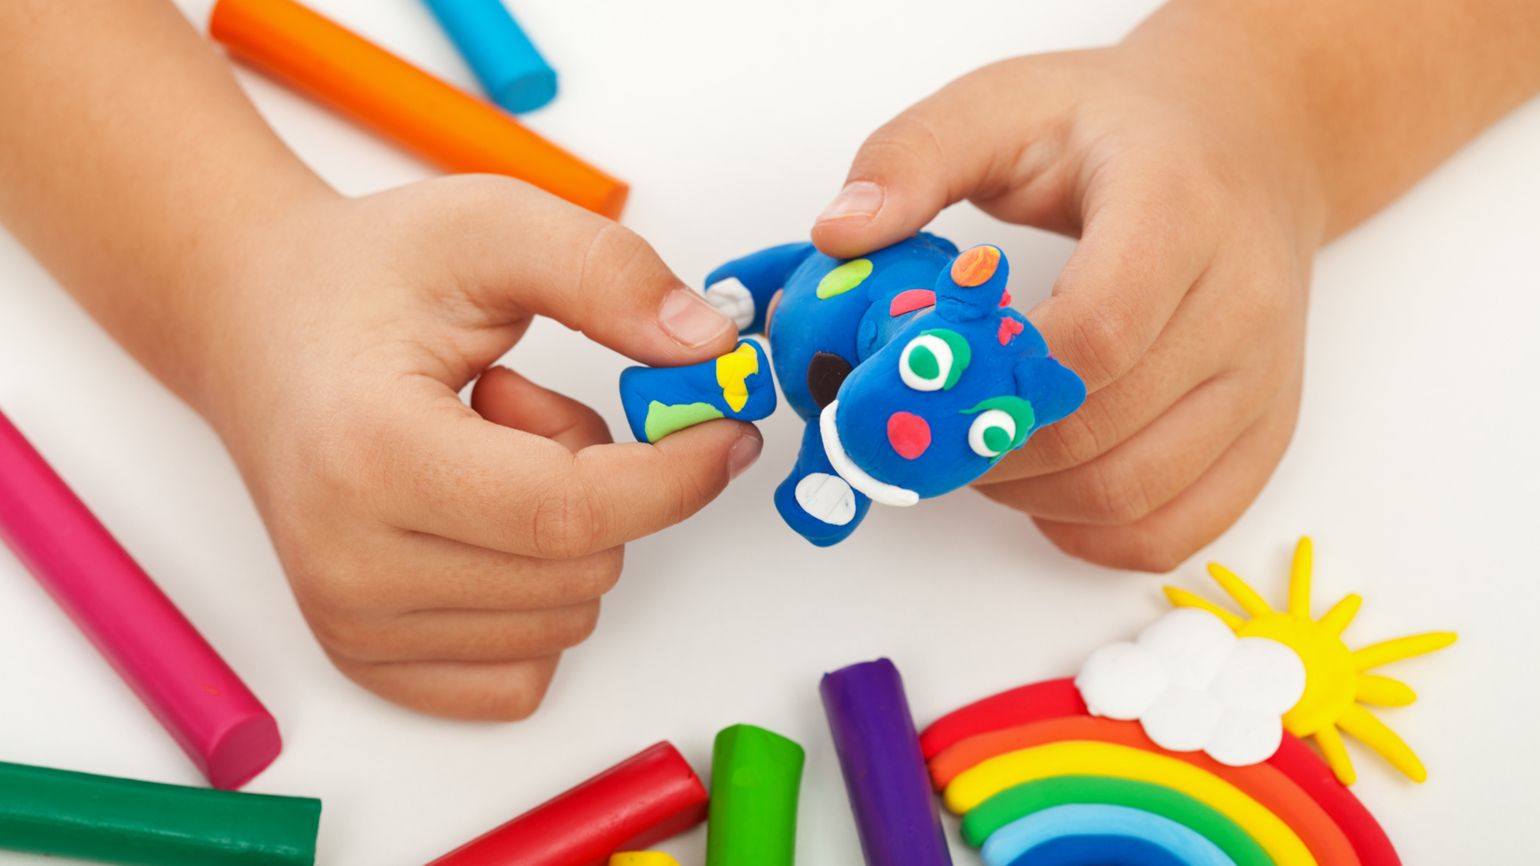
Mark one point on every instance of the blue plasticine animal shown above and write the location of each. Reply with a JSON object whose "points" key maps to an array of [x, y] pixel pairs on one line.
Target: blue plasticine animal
{"points": [[911, 370]]}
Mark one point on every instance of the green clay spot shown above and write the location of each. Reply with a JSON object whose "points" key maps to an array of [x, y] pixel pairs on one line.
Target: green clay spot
{"points": [[997, 440], [923, 363], [663, 419], [844, 278]]}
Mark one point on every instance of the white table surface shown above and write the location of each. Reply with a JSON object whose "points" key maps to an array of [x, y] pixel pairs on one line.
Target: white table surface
{"points": [[1414, 465]]}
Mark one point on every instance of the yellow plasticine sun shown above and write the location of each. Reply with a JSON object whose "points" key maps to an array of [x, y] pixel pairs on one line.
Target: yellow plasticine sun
{"points": [[1337, 679]]}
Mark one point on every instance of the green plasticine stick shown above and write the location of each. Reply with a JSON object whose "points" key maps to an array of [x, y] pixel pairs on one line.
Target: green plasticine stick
{"points": [[66, 814], [755, 775]]}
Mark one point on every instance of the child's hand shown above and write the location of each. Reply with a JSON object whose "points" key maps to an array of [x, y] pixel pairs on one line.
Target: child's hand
{"points": [[445, 557], [1183, 306]]}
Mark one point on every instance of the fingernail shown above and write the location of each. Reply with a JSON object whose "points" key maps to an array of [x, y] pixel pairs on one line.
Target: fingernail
{"points": [[860, 198], [690, 319], [743, 453]]}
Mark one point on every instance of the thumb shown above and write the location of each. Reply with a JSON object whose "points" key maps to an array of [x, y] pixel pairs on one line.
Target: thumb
{"points": [[516, 251], [959, 143]]}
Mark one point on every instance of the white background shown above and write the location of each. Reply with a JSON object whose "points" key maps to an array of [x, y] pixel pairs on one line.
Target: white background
{"points": [[1414, 465]]}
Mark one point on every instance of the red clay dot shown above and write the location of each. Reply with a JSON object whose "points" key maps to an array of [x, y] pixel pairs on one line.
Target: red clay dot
{"points": [[908, 434]]}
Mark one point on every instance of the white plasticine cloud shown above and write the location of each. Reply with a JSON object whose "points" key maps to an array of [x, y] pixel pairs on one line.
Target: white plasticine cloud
{"points": [[1193, 685]]}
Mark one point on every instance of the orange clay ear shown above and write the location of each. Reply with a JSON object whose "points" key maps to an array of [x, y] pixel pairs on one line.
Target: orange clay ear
{"points": [[975, 266]]}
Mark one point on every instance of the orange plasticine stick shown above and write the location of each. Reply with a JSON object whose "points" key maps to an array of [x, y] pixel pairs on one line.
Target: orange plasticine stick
{"points": [[404, 103]]}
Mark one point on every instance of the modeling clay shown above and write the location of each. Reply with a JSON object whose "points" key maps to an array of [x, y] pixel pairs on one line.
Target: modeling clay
{"points": [[643, 858], [1186, 713], [506, 63], [1098, 851], [635, 804], [1194, 685], [1097, 821], [912, 374], [1031, 798], [1246, 790], [76, 815], [1338, 682], [662, 400], [195, 695], [884, 772], [418, 111], [755, 775]]}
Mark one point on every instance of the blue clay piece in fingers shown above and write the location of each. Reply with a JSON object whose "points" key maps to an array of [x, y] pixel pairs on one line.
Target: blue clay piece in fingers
{"points": [[663, 400], [511, 70]]}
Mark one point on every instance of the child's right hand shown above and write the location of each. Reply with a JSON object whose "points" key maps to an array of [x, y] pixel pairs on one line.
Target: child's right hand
{"points": [[445, 557]]}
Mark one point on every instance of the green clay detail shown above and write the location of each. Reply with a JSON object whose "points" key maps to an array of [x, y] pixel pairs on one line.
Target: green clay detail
{"points": [[923, 363], [86, 817], [663, 418], [844, 278], [1019, 410], [1029, 798], [996, 439], [755, 775]]}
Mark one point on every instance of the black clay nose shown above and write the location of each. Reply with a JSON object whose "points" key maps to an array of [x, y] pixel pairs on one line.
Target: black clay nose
{"points": [[825, 375]]}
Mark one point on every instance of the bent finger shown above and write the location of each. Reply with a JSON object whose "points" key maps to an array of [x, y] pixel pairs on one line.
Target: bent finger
{"points": [[1165, 539]]}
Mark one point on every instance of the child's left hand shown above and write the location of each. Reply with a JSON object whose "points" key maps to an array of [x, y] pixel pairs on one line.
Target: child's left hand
{"points": [[1183, 307]]}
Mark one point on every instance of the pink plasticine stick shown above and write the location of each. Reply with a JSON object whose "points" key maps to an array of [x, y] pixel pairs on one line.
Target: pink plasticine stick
{"points": [[216, 719]]}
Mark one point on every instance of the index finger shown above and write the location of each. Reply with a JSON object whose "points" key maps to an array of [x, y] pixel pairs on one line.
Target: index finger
{"points": [[1138, 256]]}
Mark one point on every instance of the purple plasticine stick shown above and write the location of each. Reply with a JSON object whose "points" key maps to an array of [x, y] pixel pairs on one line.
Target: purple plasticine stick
{"points": [[885, 775]]}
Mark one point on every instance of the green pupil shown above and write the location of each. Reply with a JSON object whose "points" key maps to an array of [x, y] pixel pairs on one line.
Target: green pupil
{"points": [[996, 439], [923, 363]]}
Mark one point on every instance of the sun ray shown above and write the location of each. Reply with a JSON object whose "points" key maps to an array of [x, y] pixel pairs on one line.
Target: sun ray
{"points": [[1361, 724], [1336, 755], [1237, 589], [1385, 652], [1336, 620], [1299, 578], [1339, 688], [1384, 691], [1182, 598]]}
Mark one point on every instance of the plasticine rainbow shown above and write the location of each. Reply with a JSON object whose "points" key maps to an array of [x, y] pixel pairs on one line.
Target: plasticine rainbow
{"points": [[1185, 747]]}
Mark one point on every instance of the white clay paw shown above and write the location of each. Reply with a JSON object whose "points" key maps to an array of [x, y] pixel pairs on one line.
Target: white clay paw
{"points": [[827, 498], [733, 300]]}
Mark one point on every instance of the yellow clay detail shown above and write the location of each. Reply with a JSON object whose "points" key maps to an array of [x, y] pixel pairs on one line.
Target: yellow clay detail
{"points": [[733, 369], [643, 858]]}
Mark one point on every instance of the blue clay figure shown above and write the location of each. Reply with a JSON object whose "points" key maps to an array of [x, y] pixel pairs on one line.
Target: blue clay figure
{"points": [[911, 370]]}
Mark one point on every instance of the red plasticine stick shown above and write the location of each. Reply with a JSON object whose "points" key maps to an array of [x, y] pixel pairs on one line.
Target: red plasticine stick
{"points": [[631, 806], [213, 716]]}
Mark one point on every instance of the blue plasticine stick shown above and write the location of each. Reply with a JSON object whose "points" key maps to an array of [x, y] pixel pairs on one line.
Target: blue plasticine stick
{"points": [[506, 63]]}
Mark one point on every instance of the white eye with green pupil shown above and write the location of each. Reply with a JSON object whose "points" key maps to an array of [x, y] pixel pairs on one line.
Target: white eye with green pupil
{"points": [[1002, 424], [991, 433], [934, 360]]}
